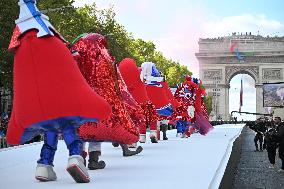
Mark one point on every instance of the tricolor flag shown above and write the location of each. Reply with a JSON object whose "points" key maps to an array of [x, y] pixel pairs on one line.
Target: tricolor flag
{"points": [[241, 96]]}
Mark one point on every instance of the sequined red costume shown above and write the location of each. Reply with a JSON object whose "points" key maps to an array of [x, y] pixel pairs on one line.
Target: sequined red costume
{"points": [[191, 110], [185, 95], [135, 111], [98, 69]]}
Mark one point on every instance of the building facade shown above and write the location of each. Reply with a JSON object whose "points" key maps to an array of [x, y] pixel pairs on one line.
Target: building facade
{"points": [[222, 58]]}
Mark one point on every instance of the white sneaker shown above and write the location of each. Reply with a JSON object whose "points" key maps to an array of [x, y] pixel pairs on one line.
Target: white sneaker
{"points": [[45, 173], [179, 135], [142, 138], [77, 169], [271, 166], [153, 136], [153, 133]]}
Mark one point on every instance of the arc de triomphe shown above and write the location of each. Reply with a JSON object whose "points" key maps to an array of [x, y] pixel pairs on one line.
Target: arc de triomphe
{"points": [[220, 59]]}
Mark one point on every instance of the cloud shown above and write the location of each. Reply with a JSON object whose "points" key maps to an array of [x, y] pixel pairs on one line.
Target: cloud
{"points": [[180, 40], [176, 32], [242, 23]]}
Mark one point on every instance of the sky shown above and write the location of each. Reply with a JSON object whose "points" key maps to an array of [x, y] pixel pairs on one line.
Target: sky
{"points": [[175, 26], [249, 96]]}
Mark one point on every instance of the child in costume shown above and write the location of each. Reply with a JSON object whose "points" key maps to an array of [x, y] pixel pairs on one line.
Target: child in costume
{"points": [[50, 94], [96, 65]]}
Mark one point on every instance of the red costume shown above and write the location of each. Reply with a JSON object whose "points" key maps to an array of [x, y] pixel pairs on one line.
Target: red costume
{"points": [[189, 95], [50, 94], [98, 69], [185, 95], [135, 111], [48, 85], [131, 76]]}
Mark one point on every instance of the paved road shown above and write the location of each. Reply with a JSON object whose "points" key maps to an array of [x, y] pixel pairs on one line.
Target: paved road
{"points": [[252, 170]]}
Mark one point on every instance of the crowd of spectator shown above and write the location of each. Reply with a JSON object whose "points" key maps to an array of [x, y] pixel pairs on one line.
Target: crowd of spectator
{"points": [[3, 130], [270, 137], [4, 119]]}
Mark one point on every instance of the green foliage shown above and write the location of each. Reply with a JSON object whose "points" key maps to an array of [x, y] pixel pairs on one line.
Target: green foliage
{"points": [[71, 22], [208, 102], [8, 14]]}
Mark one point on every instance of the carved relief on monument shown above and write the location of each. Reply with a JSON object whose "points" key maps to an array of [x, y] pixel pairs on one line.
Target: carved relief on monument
{"points": [[226, 58], [233, 70], [272, 73], [211, 74]]}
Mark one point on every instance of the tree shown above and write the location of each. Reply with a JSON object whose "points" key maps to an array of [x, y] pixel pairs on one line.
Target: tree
{"points": [[71, 22], [8, 14], [208, 102]]}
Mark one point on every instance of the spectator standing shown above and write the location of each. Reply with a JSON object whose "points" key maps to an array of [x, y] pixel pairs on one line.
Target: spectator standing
{"points": [[260, 129], [270, 141], [280, 137]]}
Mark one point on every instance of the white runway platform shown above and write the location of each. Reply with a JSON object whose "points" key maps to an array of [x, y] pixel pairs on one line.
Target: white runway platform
{"points": [[197, 162]]}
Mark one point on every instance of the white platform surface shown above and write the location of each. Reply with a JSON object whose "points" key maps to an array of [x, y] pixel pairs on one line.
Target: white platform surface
{"points": [[197, 162]]}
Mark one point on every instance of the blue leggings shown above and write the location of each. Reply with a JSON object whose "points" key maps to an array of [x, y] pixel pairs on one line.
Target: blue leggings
{"points": [[73, 143], [181, 126]]}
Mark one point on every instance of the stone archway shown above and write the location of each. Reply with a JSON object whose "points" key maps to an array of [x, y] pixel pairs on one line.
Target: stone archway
{"points": [[232, 71], [218, 65]]}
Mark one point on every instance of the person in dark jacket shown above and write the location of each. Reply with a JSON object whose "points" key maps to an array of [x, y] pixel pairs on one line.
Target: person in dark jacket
{"points": [[270, 141], [280, 137], [260, 129]]}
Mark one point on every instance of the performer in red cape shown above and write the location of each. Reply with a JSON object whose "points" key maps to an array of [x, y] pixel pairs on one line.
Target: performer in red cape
{"points": [[190, 95], [184, 113], [96, 65], [50, 94], [131, 76], [157, 91]]}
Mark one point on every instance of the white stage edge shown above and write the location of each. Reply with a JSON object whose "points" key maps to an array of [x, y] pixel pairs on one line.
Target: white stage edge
{"points": [[198, 162]]}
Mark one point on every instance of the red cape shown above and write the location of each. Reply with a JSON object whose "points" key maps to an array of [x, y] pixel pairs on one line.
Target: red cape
{"points": [[48, 86]]}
